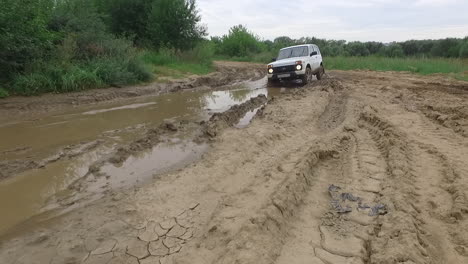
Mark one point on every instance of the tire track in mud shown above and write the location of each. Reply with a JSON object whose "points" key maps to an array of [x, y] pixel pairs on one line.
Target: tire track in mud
{"points": [[274, 206], [260, 238], [334, 113], [320, 234], [409, 232]]}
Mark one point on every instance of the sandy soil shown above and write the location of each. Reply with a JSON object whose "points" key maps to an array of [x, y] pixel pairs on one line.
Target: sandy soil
{"points": [[361, 167]]}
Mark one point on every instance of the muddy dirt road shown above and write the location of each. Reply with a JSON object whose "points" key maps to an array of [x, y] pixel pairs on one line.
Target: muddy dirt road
{"points": [[360, 167]]}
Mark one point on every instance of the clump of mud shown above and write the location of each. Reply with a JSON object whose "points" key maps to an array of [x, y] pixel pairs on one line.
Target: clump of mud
{"points": [[449, 117], [220, 121], [152, 138]]}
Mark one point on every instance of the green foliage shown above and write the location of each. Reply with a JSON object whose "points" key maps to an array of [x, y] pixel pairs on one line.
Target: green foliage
{"points": [[239, 42], [175, 24], [3, 93], [24, 36], [233, 46], [71, 45], [415, 65], [126, 17], [59, 77], [464, 49], [198, 60], [393, 50]]}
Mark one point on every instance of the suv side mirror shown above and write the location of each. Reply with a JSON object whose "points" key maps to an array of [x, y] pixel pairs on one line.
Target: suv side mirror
{"points": [[273, 59], [313, 53]]}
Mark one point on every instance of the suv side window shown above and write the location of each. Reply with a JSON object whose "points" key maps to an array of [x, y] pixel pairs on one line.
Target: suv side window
{"points": [[318, 50]]}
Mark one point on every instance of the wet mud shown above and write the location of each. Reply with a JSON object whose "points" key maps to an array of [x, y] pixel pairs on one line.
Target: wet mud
{"points": [[267, 190]]}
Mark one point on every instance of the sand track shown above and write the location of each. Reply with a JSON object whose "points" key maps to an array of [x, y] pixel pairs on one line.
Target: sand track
{"points": [[262, 193]]}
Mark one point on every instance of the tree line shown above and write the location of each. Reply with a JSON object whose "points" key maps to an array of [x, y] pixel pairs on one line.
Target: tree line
{"points": [[241, 42]]}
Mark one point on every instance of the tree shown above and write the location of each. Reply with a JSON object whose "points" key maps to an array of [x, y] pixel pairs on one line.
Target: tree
{"points": [[464, 49], [240, 42], [126, 17], [357, 49], [393, 50], [282, 42], [174, 24], [24, 36]]}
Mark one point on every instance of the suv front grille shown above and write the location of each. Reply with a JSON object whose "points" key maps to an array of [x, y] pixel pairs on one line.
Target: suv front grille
{"points": [[281, 69]]}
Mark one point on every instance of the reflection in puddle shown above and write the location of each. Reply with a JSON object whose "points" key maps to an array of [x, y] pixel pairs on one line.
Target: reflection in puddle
{"points": [[245, 121], [23, 196], [162, 158]]}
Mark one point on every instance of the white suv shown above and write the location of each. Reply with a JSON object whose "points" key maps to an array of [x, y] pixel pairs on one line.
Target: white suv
{"points": [[297, 62]]}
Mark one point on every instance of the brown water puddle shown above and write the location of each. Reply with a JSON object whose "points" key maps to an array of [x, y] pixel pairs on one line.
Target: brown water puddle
{"points": [[26, 194]]}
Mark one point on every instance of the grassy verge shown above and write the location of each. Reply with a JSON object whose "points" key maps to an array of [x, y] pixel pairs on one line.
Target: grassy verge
{"points": [[62, 76], [169, 63], [455, 67], [264, 57]]}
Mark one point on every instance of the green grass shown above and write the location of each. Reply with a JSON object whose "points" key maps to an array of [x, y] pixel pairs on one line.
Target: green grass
{"points": [[58, 77], [264, 57], [457, 68], [166, 63]]}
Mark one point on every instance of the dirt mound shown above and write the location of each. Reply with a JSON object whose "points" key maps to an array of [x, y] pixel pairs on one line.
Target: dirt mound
{"points": [[220, 121]]}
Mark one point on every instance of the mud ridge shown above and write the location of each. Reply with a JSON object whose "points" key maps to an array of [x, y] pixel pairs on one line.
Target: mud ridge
{"points": [[220, 121], [450, 117], [9, 168]]}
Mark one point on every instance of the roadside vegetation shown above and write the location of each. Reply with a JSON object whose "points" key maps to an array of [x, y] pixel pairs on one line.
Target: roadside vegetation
{"points": [[448, 56], [457, 68], [71, 45]]}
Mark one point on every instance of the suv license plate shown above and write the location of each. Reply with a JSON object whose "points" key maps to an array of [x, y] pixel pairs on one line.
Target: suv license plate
{"points": [[284, 75]]}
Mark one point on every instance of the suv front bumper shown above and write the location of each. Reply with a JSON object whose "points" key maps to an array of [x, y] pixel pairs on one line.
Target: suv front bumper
{"points": [[290, 75], [286, 75]]}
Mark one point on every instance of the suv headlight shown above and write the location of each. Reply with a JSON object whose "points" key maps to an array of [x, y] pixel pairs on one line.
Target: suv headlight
{"points": [[298, 65], [270, 71]]}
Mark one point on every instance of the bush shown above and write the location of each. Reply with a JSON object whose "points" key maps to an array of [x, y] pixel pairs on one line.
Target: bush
{"points": [[203, 53], [3, 93], [240, 42], [198, 60], [175, 24], [33, 83]]}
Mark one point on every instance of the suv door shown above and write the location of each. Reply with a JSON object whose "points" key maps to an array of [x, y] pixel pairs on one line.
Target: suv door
{"points": [[319, 57], [314, 61]]}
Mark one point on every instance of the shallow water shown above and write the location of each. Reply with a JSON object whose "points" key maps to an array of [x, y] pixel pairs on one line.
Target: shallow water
{"points": [[25, 195]]}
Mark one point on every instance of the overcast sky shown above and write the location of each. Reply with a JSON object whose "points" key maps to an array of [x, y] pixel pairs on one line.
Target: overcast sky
{"points": [[364, 20]]}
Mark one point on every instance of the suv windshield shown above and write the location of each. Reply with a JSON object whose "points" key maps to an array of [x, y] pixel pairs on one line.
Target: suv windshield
{"points": [[293, 52]]}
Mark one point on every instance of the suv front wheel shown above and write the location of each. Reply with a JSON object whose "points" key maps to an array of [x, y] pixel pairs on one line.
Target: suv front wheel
{"points": [[307, 78], [320, 72]]}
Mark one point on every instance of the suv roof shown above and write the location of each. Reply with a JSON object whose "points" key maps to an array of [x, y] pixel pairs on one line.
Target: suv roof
{"points": [[302, 45]]}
